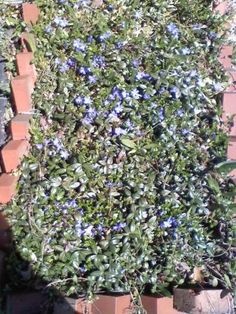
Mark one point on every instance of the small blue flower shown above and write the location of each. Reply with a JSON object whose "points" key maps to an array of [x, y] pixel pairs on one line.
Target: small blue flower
{"points": [[79, 100], [119, 226], [90, 39], [48, 29], [92, 79], [180, 113], [185, 132], [98, 62], [79, 46], [185, 51], [87, 100], [64, 67], [175, 92], [173, 30], [135, 94], [39, 146], [71, 62]]}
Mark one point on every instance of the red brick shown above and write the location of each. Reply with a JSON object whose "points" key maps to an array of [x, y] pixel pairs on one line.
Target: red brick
{"points": [[12, 153], [231, 151], [204, 302], [30, 13], [19, 126], [232, 81], [21, 91], [158, 305], [225, 57], [111, 304], [25, 66], [26, 303], [7, 188], [229, 112]]}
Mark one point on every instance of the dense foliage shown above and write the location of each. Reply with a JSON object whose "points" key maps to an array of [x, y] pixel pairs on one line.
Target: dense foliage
{"points": [[119, 190]]}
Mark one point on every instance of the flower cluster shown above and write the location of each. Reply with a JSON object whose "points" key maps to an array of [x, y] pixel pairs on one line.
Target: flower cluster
{"points": [[121, 184]]}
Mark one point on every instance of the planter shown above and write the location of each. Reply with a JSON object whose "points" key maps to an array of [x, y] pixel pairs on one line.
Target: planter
{"points": [[204, 301], [158, 305], [19, 127], [112, 304], [12, 153], [7, 187], [21, 91]]}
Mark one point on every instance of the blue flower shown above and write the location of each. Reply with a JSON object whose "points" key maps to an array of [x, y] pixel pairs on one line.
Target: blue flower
{"points": [[168, 223], [185, 132], [48, 29], [161, 114], [83, 70], [119, 226], [92, 79], [175, 92], [64, 67], [185, 51], [135, 94], [135, 63], [173, 30], [118, 131], [217, 87], [79, 100], [71, 62], [87, 100], [60, 22], [90, 39], [180, 113], [64, 154], [98, 62], [79, 46]]}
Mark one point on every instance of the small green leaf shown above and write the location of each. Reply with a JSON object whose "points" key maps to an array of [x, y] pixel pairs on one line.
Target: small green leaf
{"points": [[129, 143]]}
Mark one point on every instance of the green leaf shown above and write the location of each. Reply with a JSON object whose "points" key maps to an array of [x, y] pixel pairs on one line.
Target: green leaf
{"points": [[226, 167], [129, 143], [213, 184], [227, 280]]}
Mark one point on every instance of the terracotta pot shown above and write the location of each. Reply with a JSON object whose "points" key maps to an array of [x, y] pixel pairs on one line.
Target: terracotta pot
{"points": [[7, 188], [158, 305], [112, 304]]}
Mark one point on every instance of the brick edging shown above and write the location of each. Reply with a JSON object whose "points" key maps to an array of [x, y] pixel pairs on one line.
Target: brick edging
{"points": [[22, 87], [229, 95]]}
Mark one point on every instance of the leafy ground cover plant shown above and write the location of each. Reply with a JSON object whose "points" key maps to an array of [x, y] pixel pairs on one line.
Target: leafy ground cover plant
{"points": [[120, 190]]}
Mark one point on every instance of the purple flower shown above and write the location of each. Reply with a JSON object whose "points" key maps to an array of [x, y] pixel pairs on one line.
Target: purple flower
{"points": [[119, 131], [180, 113], [87, 100], [64, 67], [118, 108], [39, 146], [64, 154], [83, 70], [173, 30], [48, 29], [119, 226], [79, 46], [90, 39], [185, 132], [79, 100], [60, 22], [92, 79], [71, 62], [98, 62], [185, 51], [135, 63], [135, 93], [161, 114], [175, 92], [217, 87], [168, 223]]}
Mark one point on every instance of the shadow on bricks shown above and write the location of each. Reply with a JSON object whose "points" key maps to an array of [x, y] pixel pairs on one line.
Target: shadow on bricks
{"points": [[17, 284]]}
